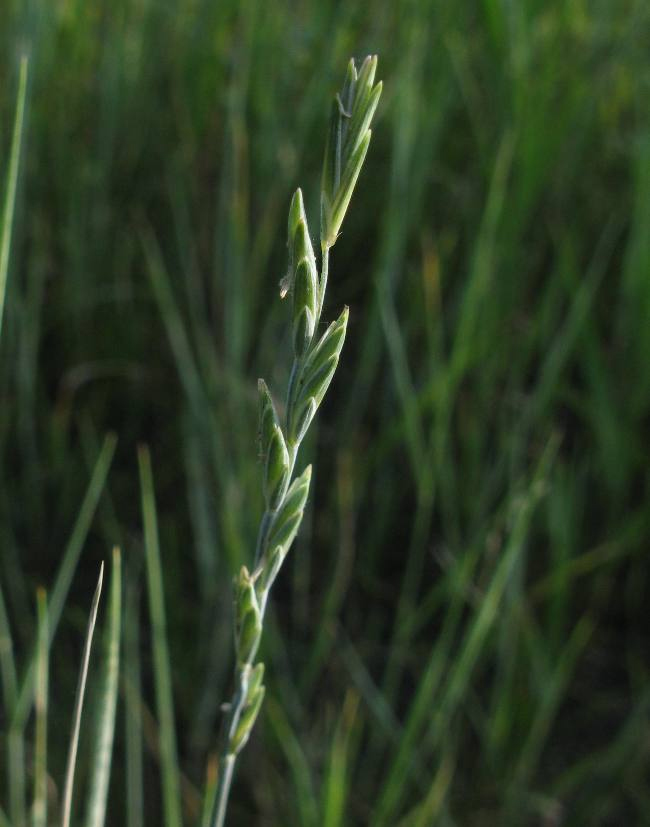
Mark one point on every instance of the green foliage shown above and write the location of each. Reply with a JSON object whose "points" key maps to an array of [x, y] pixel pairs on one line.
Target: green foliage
{"points": [[458, 636]]}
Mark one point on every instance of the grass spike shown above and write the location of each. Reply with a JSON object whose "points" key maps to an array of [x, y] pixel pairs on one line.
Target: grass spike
{"points": [[313, 368]]}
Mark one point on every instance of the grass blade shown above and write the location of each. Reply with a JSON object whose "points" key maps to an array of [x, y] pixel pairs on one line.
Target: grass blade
{"points": [[133, 717], [7, 660], [337, 781], [66, 570], [210, 795], [12, 183], [301, 779], [540, 727], [16, 769], [39, 813], [79, 699], [96, 811], [427, 724], [176, 330], [15, 744], [162, 671]]}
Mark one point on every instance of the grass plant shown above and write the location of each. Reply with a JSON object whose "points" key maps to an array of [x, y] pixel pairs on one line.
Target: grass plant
{"points": [[316, 357], [460, 637]]}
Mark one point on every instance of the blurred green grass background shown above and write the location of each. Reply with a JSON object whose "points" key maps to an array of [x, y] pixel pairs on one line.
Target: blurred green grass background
{"points": [[460, 635]]}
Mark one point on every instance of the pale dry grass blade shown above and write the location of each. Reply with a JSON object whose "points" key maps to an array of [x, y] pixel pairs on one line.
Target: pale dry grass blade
{"points": [[39, 811], [66, 808], [107, 703], [59, 592]]}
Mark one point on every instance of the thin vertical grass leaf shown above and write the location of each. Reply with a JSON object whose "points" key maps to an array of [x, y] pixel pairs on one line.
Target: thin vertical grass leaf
{"points": [[15, 744], [25, 695], [66, 808], [300, 775], [39, 811], [210, 794], [12, 184], [101, 770], [133, 712], [162, 670], [68, 565], [337, 779], [174, 324], [7, 659]]}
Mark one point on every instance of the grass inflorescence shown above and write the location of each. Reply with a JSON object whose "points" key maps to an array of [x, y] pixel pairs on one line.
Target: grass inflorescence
{"points": [[316, 357]]}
